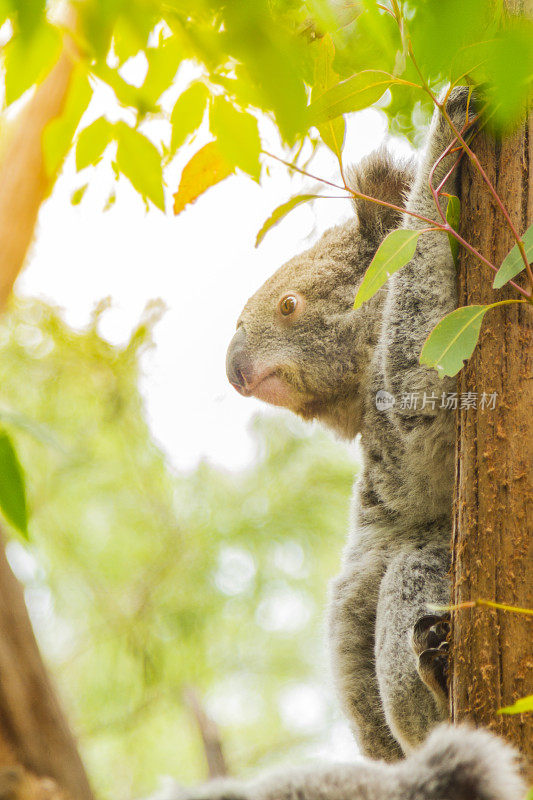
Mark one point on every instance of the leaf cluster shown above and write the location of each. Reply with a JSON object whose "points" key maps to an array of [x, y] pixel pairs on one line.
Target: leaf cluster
{"points": [[303, 63]]}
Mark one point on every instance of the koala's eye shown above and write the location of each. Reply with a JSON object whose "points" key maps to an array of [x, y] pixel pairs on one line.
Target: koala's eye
{"points": [[287, 304]]}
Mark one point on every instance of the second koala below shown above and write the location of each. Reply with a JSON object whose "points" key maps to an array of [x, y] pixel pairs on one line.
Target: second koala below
{"points": [[300, 344]]}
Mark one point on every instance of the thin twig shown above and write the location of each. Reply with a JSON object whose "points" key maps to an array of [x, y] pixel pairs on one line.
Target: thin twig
{"points": [[486, 604], [357, 195]]}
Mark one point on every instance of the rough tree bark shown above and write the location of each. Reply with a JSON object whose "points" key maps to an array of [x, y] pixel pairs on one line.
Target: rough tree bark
{"points": [[492, 662]]}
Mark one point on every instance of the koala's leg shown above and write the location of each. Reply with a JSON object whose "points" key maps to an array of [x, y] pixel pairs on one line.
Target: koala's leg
{"points": [[414, 581], [352, 616]]}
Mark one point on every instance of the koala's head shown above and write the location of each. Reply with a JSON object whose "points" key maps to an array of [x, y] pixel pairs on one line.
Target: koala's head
{"points": [[299, 342]]}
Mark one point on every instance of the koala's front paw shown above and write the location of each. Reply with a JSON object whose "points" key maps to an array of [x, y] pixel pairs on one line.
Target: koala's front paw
{"points": [[429, 641]]}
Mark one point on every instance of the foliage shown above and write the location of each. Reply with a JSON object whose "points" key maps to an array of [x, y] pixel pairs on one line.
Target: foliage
{"points": [[267, 57], [12, 490], [150, 574], [520, 707], [393, 253], [513, 264]]}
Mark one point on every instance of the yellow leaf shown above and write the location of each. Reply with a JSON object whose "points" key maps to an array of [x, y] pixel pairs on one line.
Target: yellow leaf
{"points": [[206, 168]]}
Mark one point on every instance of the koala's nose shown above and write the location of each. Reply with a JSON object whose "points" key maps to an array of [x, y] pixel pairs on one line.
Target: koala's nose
{"points": [[238, 362]]}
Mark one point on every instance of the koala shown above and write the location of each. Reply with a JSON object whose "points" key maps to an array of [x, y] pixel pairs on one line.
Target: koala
{"points": [[301, 345]]}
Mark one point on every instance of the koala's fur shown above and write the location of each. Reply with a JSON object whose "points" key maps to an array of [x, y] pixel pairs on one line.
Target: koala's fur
{"points": [[327, 361]]}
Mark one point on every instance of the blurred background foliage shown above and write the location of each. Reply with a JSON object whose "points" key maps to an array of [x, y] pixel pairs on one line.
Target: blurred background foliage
{"points": [[144, 585]]}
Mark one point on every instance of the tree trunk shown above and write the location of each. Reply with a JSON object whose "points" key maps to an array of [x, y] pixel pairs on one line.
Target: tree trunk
{"points": [[214, 753], [24, 183], [492, 661], [33, 729]]}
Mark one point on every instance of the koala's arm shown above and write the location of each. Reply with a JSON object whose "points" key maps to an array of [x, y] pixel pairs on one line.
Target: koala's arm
{"points": [[455, 763], [424, 291]]}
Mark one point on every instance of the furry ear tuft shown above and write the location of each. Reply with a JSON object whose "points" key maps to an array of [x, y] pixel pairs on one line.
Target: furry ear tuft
{"points": [[380, 175]]}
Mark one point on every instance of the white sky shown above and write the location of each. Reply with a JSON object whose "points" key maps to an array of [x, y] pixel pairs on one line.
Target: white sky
{"points": [[202, 264]]}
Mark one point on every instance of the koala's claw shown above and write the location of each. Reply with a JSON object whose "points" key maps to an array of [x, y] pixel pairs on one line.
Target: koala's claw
{"points": [[433, 669], [430, 631], [429, 641]]}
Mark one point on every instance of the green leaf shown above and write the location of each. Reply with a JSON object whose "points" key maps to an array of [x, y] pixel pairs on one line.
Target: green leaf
{"points": [[453, 215], [59, 133], [126, 40], [281, 211], [353, 94], [92, 142], [140, 161], [237, 135], [188, 113], [331, 132], [508, 73], [520, 707], [393, 253], [440, 30], [12, 491], [453, 339], [512, 264], [27, 61], [127, 94], [77, 196], [29, 14], [163, 63]]}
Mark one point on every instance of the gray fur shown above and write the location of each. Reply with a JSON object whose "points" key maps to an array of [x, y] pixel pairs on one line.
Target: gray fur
{"points": [[327, 361], [456, 763]]}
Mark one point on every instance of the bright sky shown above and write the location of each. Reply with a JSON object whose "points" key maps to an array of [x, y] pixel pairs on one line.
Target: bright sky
{"points": [[202, 264]]}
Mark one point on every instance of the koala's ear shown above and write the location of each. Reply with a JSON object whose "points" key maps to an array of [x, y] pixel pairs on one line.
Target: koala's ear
{"points": [[380, 175]]}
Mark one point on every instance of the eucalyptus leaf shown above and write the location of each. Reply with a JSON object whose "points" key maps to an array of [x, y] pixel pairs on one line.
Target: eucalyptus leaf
{"points": [[237, 135], [140, 161], [396, 250], [453, 340], [163, 63], [281, 211], [92, 142], [77, 195], [188, 113], [520, 707], [12, 490], [513, 263], [353, 94], [453, 214], [206, 168], [28, 60]]}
